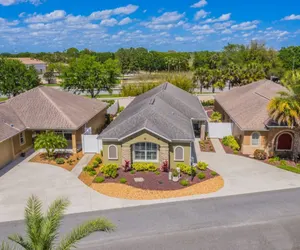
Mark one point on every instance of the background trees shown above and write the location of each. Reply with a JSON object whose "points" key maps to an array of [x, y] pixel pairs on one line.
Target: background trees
{"points": [[86, 74], [16, 78]]}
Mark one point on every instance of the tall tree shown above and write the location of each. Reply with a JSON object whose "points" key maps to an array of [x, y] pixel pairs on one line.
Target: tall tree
{"points": [[42, 230], [202, 78], [85, 74], [16, 78]]}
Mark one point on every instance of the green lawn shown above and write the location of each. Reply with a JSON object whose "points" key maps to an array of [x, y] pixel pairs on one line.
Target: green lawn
{"points": [[3, 99], [290, 168], [51, 85]]}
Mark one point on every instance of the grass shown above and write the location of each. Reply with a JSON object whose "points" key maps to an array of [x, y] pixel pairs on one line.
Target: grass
{"points": [[290, 168], [2, 99], [52, 85]]}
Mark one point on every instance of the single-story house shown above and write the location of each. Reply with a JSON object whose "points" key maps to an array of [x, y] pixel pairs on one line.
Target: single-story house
{"points": [[246, 108], [46, 109], [156, 126], [40, 66]]}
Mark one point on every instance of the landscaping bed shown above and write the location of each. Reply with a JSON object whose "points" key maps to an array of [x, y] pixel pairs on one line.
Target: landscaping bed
{"points": [[65, 160], [85, 176], [229, 150], [284, 164], [207, 146]]}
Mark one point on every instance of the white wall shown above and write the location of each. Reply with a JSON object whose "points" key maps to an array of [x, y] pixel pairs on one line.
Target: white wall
{"points": [[219, 130]]}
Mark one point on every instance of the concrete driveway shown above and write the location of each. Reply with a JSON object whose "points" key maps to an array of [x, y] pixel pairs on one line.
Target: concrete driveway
{"points": [[241, 175]]}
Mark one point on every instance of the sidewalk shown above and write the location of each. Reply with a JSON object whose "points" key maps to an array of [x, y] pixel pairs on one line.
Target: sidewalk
{"points": [[82, 163], [218, 146]]}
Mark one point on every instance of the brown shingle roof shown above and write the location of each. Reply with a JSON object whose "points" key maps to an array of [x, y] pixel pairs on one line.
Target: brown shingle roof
{"points": [[47, 108], [10, 124], [247, 105]]}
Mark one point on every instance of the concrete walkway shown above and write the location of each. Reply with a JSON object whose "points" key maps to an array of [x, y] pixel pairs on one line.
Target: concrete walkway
{"points": [[81, 164], [217, 146]]}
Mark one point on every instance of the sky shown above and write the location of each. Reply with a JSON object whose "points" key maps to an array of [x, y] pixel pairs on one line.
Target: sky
{"points": [[185, 25]]}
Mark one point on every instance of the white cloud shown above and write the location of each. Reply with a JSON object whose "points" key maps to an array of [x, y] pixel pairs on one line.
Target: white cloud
{"points": [[109, 22], [105, 14], [55, 15], [200, 27], [4, 22], [224, 25], [11, 2], [199, 4], [246, 25], [227, 31], [222, 18], [291, 17], [168, 17], [201, 14], [125, 21]]}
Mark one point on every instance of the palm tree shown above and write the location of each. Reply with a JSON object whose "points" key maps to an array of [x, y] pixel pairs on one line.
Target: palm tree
{"points": [[201, 76], [285, 108], [42, 230]]}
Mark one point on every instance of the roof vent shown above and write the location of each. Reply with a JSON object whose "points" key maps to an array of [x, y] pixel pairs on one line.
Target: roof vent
{"points": [[152, 100]]}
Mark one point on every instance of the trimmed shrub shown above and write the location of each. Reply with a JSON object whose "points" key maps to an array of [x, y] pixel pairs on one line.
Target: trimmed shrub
{"points": [[60, 161], [201, 165], [99, 179], [184, 183], [88, 169], [274, 159], [123, 180], [144, 166], [230, 141], [283, 163], [260, 154], [98, 159], [216, 117], [208, 103], [235, 152], [92, 173], [132, 171], [201, 175], [110, 170], [175, 173], [186, 169], [157, 172], [213, 173], [95, 164]]}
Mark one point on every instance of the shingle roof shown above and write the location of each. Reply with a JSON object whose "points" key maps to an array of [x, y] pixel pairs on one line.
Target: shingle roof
{"points": [[166, 110], [48, 108], [247, 105], [10, 124]]}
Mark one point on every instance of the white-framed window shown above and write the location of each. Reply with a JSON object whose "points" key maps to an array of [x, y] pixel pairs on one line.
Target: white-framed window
{"points": [[67, 134], [22, 138], [112, 152], [178, 153], [255, 139], [145, 151]]}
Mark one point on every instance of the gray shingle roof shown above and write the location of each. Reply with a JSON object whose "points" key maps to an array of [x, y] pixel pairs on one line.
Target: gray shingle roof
{"points": [[48, 108], [247, 105], [166, 110]]}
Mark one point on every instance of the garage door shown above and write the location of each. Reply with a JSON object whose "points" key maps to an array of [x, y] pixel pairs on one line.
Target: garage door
{"points": [[6, 155]]}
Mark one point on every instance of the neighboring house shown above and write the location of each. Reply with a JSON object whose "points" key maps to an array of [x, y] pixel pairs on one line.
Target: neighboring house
{"points": [[246, 108], [156, 126], [39, 65], [46, 109]]}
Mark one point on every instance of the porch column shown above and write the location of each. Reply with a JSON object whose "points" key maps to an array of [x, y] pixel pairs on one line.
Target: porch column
{"points": [[74, 142], [126, 154], [202, 132], [163, 154]]}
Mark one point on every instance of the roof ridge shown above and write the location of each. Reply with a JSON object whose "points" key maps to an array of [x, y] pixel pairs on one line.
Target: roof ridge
{"points": [[57, 108]]}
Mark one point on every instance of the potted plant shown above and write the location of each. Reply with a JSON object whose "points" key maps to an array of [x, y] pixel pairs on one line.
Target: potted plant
{"points": [[175, 175]]}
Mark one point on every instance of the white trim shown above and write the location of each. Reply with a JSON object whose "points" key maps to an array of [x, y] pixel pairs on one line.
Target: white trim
{"points": [[276, 141], [24, 138], [146, 160], [149, 130], [110, 158], [175, 159], [259, 138]]}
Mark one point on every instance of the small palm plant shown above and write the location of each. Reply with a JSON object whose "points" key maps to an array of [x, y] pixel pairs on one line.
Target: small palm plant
{"points": [[42, 230]]}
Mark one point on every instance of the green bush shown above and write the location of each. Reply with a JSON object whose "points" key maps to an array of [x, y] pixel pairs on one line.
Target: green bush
{"points": [[260, 154], [98, 159], [132, 171], [95, 164], [157, 172], [213, 173], [201, 175], [236, 152], [123, 180], [110, 170], [274, 159], [208, 103], [99, 179], [201, 165], [101, 152], [60, 161], [88, 169], [175, 173], [121, 109], [283, 163], [231, 142], [144, 166], [184, 183], [92, 173], [186, 169], [216, 117], [70, 162]]}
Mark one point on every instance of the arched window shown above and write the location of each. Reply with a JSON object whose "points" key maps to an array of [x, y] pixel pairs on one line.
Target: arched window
{"points": [[112, 152], [145, 151], [284, 142], [179, 153], [255, 139]]}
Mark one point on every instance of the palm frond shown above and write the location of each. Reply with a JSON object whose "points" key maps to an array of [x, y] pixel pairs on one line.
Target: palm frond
{"points": [[18, 239], [6, 246], [84, 230]]}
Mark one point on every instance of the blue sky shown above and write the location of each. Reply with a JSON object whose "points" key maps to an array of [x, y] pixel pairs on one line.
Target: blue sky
{"points": [[189, 25]]}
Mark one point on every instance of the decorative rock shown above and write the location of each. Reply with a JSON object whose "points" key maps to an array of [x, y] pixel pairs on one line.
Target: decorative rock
{"points": [[139, 179]]}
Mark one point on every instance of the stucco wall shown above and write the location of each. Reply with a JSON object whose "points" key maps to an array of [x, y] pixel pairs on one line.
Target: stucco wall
{"points": [[248, 148], [6, 154], [18, 148], [97, 122], [187, 154], [218, 108], [105, 153]]}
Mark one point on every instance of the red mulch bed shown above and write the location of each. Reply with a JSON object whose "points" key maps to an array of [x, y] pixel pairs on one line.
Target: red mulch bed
{"points": [[156, 182], [207, 146], [229, 150]]}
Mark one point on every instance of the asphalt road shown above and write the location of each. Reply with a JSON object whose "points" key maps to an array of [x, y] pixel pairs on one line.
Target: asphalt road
{"points": [[269, 220]]}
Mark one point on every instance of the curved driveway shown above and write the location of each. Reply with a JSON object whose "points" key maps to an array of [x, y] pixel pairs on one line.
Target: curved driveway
{"points": [[241, 175]]}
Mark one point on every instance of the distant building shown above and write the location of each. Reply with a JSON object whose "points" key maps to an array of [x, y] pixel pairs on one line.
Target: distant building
{"points": [[39, 65]]}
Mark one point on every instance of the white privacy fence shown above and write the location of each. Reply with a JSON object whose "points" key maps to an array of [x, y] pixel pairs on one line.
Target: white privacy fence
{"points": [[90, 144], [219, 130]]}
